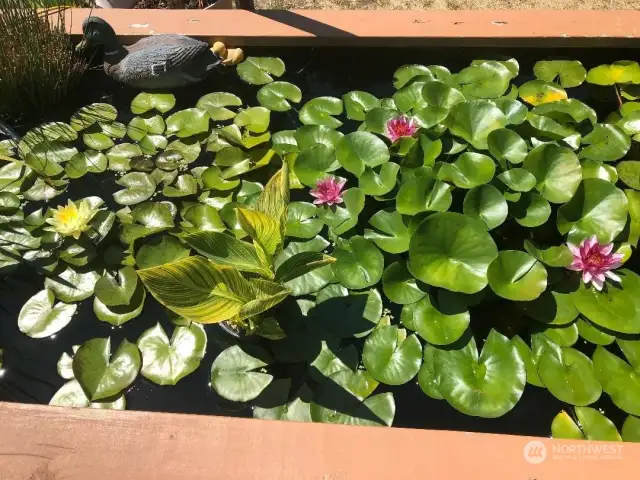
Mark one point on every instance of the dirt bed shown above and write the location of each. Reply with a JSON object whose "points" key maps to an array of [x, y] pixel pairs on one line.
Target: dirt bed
{"points": [[452, 4]]}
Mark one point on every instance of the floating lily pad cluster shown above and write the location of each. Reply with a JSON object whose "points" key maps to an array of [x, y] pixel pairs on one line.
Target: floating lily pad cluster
{"points": [[439, 246]]}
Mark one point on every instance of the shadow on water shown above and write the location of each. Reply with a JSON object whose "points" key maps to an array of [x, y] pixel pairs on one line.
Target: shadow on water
{"points": [[30, 365]]}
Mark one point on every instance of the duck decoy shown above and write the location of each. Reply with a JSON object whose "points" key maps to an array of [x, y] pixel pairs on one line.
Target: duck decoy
{"points": [[158, 61]]}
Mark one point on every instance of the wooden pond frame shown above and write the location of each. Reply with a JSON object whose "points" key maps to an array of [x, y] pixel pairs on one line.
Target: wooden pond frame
{"points": [[47, 443]]}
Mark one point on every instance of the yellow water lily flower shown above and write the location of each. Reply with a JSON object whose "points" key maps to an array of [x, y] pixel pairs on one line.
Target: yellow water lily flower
{"points": [[71, 220]]}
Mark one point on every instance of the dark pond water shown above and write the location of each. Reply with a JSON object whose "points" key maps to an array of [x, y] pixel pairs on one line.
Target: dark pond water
{"points": [[30, 365]]}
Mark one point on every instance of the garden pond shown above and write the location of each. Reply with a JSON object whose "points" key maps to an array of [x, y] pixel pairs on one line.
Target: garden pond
{"points": [[442, 290]]}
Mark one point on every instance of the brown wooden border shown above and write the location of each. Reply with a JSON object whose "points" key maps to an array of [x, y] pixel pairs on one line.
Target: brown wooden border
{"points": [[53, 443], [379, 27]]}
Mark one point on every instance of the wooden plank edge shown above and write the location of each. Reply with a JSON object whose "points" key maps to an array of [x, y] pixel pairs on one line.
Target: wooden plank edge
{"points": [[526, 28], [45, 443]]}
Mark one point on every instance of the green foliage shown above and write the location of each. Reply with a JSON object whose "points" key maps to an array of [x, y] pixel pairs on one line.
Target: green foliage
{"points": [[39, 66], [466, 222]]}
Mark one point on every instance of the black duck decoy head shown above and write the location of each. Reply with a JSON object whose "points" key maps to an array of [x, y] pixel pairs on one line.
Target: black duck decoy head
{"points": [[97, 31]]}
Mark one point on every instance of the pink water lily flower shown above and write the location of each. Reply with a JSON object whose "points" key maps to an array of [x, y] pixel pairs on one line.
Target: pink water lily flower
{"points": [[400, 126], [328, 191], [595, 261]]}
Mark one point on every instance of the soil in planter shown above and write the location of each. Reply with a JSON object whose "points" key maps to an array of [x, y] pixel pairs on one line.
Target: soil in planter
{"points": [[30, 365]]}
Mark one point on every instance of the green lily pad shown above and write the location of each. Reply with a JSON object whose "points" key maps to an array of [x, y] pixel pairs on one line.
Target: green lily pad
{"points": [[144, 102], [597, 208], [631, 429], [120, 156], [279, 407], [359, 263], [165, 361], [529, 361], [506, 145], [140, 127], [343, 219], [565, 335], [309, 135], [189, 149], [89, 161], [452, 251], [485, 79], [552, 308], [557, 171], [406, 73], [517, 276], [531, 210], [615, 309], [347, 315], [215, 104], [440, 94], [277, 95], [474, 121], [91, 114], [629, 173], [622, 71], [9, 259], [72, 285], [515, 111], [182, 186], [234, 376], [399, 286], [486, 386], [569, 376], [259, 70], [312, 281], [390, 356], [619, 379], [188, 122], [423, 193], [303, 220], [518, 179], [321, 111], [391, 234], [284, 142], [332, 359], [102, 375], [313, 164], [548, 128], [120, 314], [537, 92], [139, 187], [379, 181], [426, 376], [358, 150], [344, 398], [593, 334], [605, 143], [440, 322], [254, 119], [376, 119], [410, 97], [469, 170], [97, 141], [592, 425], [161, 250], [112, 291], [570, 72], [358, 103], [486, 203], [72, 395], [40, 318]]}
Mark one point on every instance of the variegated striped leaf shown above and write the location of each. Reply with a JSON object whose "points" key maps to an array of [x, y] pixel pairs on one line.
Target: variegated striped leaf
{"points": [[228, 251], [274, 199], [266, 295], [264, 230], [199, 290], [300, 264]]}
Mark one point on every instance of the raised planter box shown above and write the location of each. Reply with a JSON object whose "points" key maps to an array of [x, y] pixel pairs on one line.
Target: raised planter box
{"points": [[39, 442]]}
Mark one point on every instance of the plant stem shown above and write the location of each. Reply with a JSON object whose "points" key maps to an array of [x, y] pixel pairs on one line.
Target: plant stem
{"points": [[615, 87]]}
